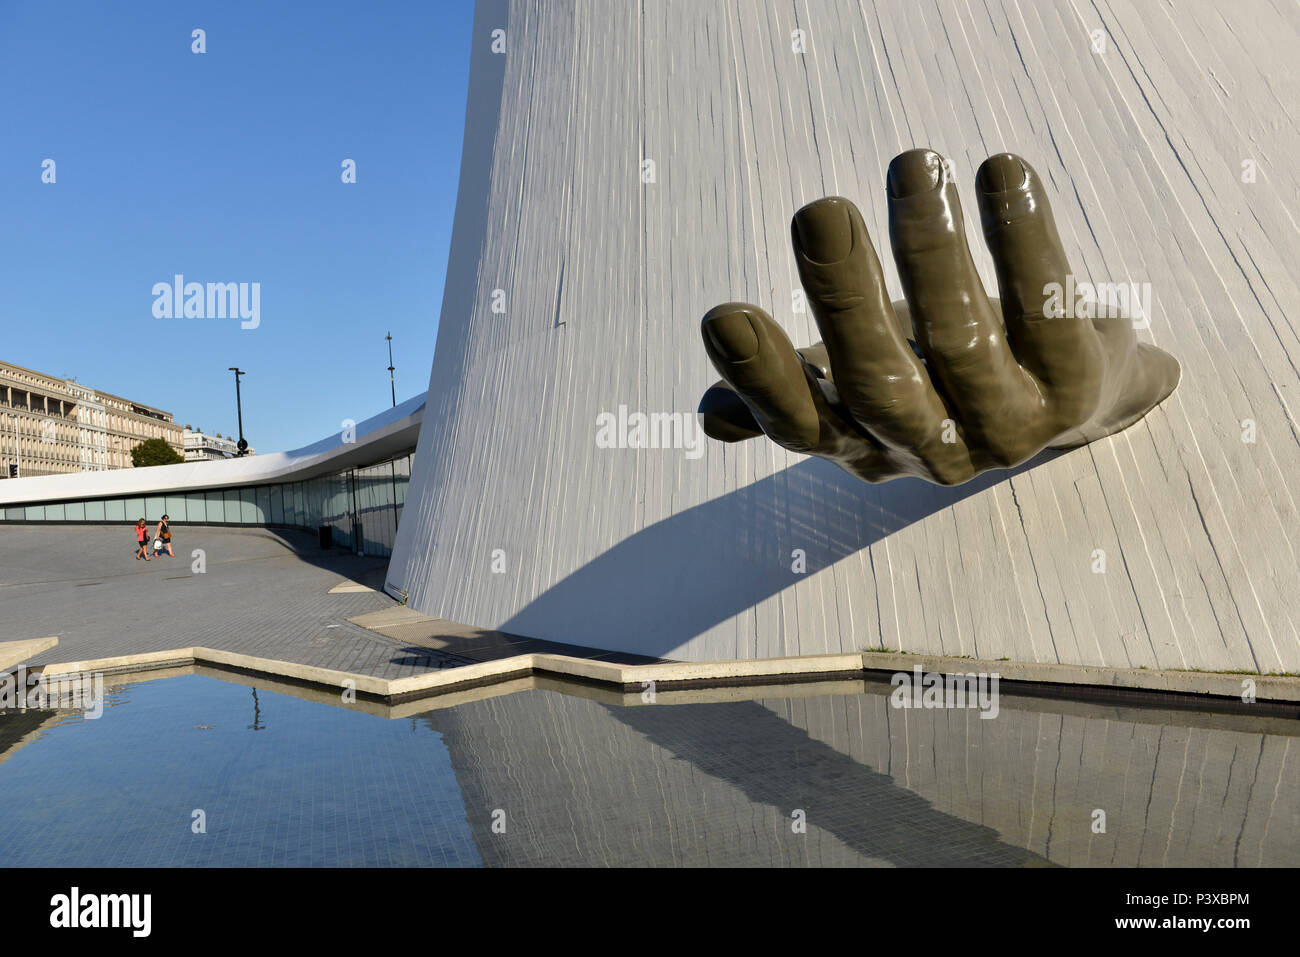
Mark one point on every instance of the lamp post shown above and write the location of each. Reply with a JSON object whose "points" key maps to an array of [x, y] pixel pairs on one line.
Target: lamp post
{"points": [[242, 444], [392, 382]]}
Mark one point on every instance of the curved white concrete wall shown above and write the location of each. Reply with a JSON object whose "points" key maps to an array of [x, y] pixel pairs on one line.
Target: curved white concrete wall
{"points": [[376, 439], [603, 280]]}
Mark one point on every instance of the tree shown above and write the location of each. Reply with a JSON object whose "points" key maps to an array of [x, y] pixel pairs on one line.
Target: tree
{"points": [[154, 452]]}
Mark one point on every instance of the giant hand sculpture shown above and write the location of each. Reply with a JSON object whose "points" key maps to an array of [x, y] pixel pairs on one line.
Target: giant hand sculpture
{"points": [[979, 390]]}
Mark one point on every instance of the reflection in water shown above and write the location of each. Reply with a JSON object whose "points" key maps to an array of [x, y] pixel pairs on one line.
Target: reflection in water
{"points": [[544, 778], [304, 784], [583, 783], [257, 713]]}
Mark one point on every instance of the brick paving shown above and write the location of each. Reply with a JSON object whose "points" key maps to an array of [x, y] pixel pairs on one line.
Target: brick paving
{"points": [[265, 592]]}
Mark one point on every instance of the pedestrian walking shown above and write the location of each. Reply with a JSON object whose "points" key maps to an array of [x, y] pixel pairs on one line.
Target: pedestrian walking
{"points": [[163, 537], [142, 540]]}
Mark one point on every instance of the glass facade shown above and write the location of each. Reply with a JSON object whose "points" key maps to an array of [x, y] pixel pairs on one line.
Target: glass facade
{"points": [[362, 506]]}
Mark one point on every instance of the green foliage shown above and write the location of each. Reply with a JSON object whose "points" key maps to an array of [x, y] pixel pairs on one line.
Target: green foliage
{"points": [[154, 452]]}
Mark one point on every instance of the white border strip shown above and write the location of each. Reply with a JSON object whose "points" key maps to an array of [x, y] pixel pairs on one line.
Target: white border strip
{"points": [[1266, 688]]}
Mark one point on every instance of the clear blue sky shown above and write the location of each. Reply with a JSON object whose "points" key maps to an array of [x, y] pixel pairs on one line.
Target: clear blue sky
{"points": [[225, 167]]}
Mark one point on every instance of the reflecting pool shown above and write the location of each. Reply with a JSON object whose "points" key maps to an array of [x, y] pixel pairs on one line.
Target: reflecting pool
{"points": [[195, 770]]}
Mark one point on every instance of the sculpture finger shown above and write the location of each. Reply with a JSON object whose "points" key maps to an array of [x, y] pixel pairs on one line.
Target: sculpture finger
{"points": [[752, 353], [757, 360], [1065, 353], [879, 379], [963, 339], [725, 416]]}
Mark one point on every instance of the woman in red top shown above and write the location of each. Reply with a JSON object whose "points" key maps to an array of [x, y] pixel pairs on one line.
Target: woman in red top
{"points": [[142, 539]]}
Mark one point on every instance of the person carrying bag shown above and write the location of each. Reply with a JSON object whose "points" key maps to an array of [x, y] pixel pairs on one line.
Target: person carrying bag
{"points": [[163, 537]]}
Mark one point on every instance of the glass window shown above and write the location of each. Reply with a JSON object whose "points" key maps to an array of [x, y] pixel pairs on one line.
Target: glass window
{"points": [[361, 481], [135, 508], [176, 508], [277, 505], [54, 512], [314, 508], [263, 504], [75, 512], [232, 506], [115, 510], [335, 498], [196, 512], [154, 506], [248, 509], [216, 507], [34, 513], [94, 511]]}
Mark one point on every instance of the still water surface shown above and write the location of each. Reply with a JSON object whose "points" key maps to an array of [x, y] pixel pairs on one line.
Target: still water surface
{"points": [[547, 778]]}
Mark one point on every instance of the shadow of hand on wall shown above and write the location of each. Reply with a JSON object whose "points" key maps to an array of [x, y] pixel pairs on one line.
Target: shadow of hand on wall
{"points": [[649, 594]]}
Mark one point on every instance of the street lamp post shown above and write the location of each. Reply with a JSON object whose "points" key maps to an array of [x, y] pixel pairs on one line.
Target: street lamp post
{"points": [[242, 444], [392, 382]]}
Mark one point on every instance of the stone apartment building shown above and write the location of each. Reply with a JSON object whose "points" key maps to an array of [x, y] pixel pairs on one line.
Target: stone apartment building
{"points": [[50, 425], [203, 447]]}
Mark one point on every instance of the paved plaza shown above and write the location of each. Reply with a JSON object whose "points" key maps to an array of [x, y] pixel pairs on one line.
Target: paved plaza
{"points": [[265, 592]]}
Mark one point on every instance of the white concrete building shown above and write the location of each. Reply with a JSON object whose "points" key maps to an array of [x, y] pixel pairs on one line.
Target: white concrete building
{"points": [[629, 165]]}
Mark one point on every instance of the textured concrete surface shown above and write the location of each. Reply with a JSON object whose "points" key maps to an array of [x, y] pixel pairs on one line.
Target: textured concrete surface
{"points": [[264, 593], [486, 663], [268, 601], [604, 278], [478, 644], [16, 652]]}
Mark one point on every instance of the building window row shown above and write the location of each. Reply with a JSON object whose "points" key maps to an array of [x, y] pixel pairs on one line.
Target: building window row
{"points": [[362, 506]]}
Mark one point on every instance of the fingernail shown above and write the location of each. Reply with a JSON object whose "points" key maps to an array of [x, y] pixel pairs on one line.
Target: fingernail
{"points": [[825, 231], [1001, 173], [732, 335], [913, 172]]}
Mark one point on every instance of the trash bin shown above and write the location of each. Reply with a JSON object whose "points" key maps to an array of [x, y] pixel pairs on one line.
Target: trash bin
{"points": [[327, 536]]}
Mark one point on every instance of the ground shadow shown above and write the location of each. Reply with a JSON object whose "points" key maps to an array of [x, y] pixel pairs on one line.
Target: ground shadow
{"points": [[678, 578]]}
